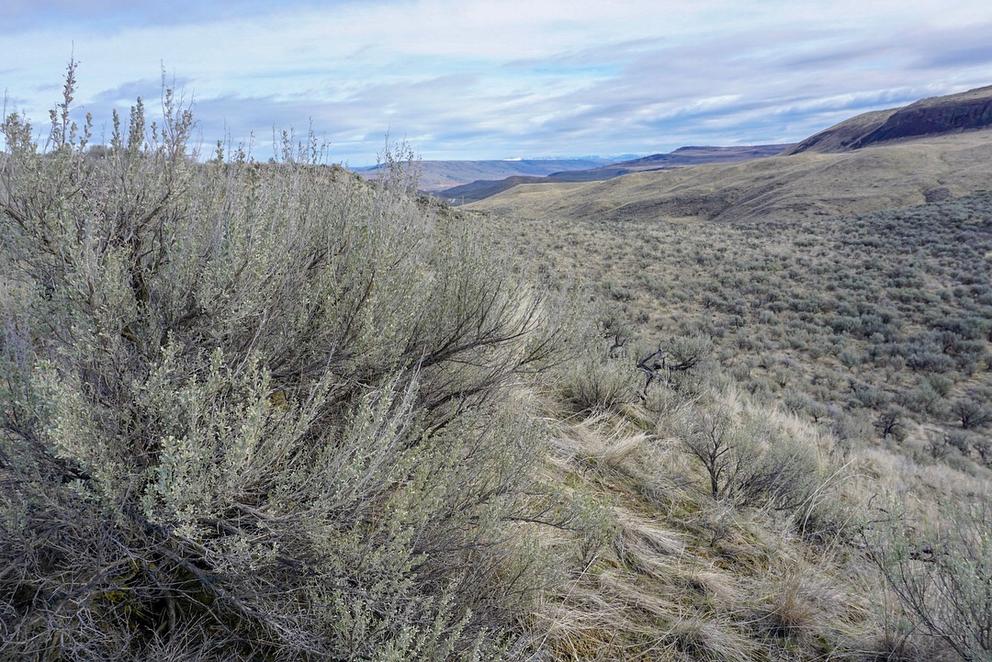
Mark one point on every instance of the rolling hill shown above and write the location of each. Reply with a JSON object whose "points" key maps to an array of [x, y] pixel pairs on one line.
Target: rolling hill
{"points": [[682, 157], [740, 251], [809, 183], [934, 116], [439, 175], [930, 149]]}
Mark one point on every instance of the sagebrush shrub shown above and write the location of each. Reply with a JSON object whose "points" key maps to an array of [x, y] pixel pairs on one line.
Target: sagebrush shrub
{"points": [[971, 411], [253, 409], [941, 571], [747, 460]]}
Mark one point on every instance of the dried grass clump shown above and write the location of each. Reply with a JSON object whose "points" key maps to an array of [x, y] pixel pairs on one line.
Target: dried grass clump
{"points": [[683, 577], [595, 384]]}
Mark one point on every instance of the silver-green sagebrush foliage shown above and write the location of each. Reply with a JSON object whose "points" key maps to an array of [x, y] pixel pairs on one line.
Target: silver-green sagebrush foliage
{"points": [[941, 571], [254, 410]]}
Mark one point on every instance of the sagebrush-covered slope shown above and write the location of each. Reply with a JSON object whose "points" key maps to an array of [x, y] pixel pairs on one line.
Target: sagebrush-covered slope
{"points": [[273, 412]]}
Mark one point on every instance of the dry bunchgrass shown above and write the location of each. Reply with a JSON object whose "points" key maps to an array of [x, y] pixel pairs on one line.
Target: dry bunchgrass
{"points": [[682, 577]]}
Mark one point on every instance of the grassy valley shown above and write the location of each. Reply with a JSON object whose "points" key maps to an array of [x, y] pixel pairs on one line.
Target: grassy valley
{"points": [[680, 158]]}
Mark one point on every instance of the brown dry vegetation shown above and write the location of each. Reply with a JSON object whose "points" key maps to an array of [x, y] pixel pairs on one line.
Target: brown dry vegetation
{"points": [[680, 576], [784, 188], [274, 412]]}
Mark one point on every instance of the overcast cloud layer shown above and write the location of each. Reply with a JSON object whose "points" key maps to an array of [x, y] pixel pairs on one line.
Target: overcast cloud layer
{"points": [[502, 79]]}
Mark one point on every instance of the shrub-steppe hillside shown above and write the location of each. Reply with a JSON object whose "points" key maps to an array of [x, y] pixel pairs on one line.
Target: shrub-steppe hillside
{"points": [[270, 411]]}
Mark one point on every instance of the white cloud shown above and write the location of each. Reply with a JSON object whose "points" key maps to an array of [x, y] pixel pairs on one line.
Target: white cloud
{"points": [[491, 79]]}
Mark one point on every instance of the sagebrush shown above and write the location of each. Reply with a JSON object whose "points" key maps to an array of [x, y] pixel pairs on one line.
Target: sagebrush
{"points": [[254, 409]]}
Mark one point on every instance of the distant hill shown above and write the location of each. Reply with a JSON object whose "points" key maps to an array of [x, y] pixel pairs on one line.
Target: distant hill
{"points": [[682, 157], [928, 117], [887, 175], [927, 150], [700, 155], [438, 175]]}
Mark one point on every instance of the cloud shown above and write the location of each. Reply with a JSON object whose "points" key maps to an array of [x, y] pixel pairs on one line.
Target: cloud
{"points": [[956, 57], [109, 15], [130, 91], [473, 79]]}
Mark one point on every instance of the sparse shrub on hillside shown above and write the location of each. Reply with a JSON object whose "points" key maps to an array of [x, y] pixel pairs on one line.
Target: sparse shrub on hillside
{"points": [[689, 352], [892, 422], [599, 374], [748, 461], [805, 406], [868, 396], [679, 362], [939, 445], [942, 575], [961, 440], [971, 411], [835, 297], [926, 399], [254, 411]]}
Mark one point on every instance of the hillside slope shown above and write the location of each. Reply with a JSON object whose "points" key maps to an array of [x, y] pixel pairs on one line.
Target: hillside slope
{"points": [[810, 183], [928, 117], [681, 157], [438, 175], [874, 353]]}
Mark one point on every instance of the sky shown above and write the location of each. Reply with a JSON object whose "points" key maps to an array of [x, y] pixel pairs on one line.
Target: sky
{"points": [[498, 79]]}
